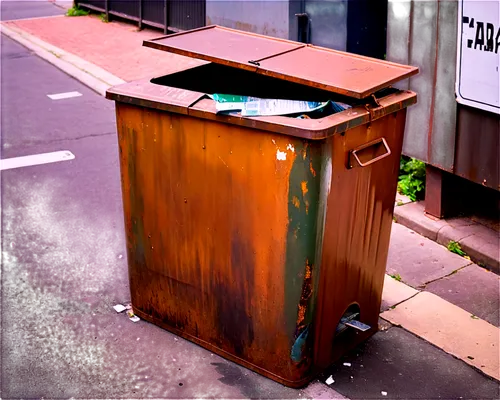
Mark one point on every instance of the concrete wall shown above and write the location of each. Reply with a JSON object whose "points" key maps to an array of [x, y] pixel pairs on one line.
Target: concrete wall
{"points": [[267, 17]]}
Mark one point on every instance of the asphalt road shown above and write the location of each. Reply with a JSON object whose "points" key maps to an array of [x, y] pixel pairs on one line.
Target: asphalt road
{"points": [[20, 9]]}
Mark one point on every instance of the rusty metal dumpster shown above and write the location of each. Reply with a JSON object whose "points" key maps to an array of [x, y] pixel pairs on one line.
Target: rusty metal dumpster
{"points": [[263, 239]]}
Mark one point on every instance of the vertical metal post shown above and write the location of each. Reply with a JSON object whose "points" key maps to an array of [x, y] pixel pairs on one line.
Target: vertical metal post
{"points": [[106, 9], [140, 14], [410, 36], [165, 19]]}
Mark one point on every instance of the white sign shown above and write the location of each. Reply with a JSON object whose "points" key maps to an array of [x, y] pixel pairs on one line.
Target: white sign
{"points": [[478, 54]]}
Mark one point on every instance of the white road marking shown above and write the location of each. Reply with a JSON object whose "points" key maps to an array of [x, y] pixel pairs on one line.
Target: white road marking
{"points": [[36, 159], [66, 95]]}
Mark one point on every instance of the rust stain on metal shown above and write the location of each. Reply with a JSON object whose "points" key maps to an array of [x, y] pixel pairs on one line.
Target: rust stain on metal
{"points": [[296, 201], [304, 151], [313, 172], [305, 296], [303, 187]]}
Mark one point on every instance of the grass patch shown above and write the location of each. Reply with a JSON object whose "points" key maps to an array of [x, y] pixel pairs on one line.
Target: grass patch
{"points": [[411, 181], [76, 11], [103, 18], [397, 277]]}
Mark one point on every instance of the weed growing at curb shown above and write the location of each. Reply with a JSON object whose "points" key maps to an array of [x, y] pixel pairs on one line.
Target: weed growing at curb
{"points": [[397, 277], [103, 18], [76, 12], [455, 247], [411, 181]]}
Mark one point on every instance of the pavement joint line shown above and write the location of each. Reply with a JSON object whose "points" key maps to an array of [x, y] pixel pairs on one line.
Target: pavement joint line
{"points": [[402, 301], [87, 73], [45, 142], [446, 276], [35, 159], [392, 294]]}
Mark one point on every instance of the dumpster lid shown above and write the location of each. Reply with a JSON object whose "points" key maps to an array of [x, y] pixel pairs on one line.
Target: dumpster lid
{"points": [[335, 71]]}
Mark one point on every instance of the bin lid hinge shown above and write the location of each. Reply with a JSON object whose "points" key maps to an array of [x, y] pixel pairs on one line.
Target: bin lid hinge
{"points": [[371, 105], [257, 62]]}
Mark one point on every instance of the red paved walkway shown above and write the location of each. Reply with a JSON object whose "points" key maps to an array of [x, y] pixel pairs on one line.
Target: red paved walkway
{"points": [[114, 46]]}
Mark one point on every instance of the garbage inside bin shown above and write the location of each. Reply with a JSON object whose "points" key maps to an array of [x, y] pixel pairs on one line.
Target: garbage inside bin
{"points": [[254, 106], [263, 239]]}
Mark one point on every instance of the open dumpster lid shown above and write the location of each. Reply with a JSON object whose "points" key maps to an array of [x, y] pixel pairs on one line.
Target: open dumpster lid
{"points": [[335, 71]]}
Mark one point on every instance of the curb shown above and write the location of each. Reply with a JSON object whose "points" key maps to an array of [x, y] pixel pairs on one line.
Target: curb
{"points": [[451, 329], [479, 242], [87, 73], [447, 326]]}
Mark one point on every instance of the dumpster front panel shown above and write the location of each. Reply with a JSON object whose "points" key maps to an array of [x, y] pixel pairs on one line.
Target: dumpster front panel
{"points": [[221, 226]]}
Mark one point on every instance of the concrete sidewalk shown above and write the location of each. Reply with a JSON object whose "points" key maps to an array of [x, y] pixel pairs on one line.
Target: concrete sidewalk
{"points": [[440, 311]]}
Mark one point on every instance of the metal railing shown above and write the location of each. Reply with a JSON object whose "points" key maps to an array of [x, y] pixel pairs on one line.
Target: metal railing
{"points": [[169, 15]]}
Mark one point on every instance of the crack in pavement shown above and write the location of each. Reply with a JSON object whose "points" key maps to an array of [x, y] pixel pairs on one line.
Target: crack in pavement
{"points": [[40, 142]]}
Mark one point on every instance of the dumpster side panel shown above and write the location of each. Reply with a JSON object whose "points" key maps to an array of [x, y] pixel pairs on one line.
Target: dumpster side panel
{"points": [[356, 239], [207, 209]]}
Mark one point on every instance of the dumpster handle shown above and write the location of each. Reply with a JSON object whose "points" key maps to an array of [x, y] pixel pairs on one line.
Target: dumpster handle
{"points": [[377, 142]]}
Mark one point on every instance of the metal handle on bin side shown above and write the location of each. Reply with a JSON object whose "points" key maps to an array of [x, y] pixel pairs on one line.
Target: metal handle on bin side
{"points": [[353, 153]]}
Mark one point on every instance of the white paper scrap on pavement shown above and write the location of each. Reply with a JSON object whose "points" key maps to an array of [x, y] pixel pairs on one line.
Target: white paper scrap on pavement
{"points": [[347, 364], [135, 318], [330, 380], [119, 308], [383, 393]]}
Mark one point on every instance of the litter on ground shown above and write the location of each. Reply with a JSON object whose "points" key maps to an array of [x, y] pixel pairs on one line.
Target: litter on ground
{"points": [[330, 380], [119, 308]]}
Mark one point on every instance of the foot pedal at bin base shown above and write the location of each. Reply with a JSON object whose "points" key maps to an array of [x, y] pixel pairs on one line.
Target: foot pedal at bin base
{"points": [[359, 326]]}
